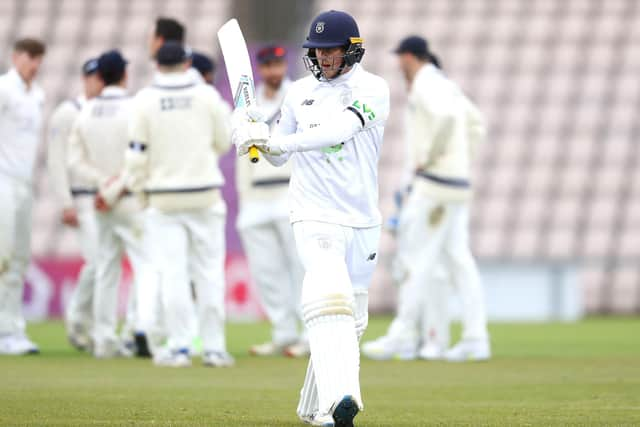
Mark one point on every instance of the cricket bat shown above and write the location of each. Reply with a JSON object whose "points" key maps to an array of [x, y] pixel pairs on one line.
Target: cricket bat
{"points": [[238, 64]]}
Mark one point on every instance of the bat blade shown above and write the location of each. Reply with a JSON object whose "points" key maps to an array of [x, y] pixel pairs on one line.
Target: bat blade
{"points": [[238, 65]]}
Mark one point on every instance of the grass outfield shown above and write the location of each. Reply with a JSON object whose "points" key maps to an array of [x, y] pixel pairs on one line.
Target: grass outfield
{"points": [[542, 374]]}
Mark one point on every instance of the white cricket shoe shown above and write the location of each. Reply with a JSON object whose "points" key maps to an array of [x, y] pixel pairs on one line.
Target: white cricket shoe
{"points": [[469, 351], [298, 349], [111, 349], [431, 351], [389, 347], [79, 337], [266, 349], [319, 420], [172, 359], [217, 359], [17, 345]]}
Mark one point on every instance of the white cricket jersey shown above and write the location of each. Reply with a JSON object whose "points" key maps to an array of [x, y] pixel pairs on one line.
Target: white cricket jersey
{"points": [[59, 130], [444, 131], [337, 184], [178, 131], [262, 187], [99, 138], [20, 125]]}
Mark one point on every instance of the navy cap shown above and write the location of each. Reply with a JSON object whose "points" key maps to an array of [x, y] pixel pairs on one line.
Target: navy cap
{"points": [[202, 63], [111, 63], [271, 53], [415, 45], [332, 29], [90, 66], [172, 53]]}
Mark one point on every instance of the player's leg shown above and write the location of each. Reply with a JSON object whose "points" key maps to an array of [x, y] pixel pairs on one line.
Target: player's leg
{"points": [[15, 247], [328, 310], [475, 337], [168, 251], [207, 256], [435, 322], [296, 276], [105, 299], [79, 311], [269, 272], [420, 245], [143, 297]]}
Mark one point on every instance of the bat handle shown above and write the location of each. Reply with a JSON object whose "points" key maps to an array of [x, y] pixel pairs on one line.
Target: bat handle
{"points": [[254, 154]]}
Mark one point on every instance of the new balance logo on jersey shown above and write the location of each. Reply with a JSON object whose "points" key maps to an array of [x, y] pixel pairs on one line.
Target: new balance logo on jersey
{"points": [[307, 102]]}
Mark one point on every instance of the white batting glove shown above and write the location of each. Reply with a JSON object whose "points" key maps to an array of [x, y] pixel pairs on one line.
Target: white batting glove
{"points": [[249, 134], [272, 147]]}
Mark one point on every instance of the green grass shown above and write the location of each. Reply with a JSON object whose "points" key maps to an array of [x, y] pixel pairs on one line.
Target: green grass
{"points": [[586, 373]]}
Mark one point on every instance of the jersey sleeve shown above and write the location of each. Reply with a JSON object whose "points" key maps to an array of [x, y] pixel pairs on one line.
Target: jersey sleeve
{"points": [[286, 125], [371, 104], [78, 158], [222, 125]]}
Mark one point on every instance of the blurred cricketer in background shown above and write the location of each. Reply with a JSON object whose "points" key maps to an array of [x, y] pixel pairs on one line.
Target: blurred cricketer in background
{"points": [[263, 221], [97, 145], [76, 197], [178, 130], [331, 127], [204, 65], [444, 132], [21, 103]]}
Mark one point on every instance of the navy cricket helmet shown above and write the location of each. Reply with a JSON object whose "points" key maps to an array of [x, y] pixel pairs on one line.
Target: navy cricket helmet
{"points": [[333, 29]]}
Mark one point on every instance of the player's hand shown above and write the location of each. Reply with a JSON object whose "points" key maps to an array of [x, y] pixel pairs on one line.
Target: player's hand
{"points": [[249, 134], [100, 204], [109, 192], [70, 217], [271, 147], [246, 114]]}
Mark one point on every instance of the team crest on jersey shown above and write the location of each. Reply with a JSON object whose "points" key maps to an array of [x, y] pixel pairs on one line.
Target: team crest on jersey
{"points": [[319, 27]]}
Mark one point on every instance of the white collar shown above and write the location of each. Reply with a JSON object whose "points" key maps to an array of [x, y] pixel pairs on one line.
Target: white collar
{"points": [[344, 78], [113, 92], [176, 80]]}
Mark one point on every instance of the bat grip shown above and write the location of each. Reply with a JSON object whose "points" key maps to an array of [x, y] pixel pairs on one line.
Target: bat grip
{"points": [[254, 154]]}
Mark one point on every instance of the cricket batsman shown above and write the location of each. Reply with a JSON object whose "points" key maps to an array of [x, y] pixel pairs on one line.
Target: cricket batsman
{"points": [[331, 128], [76, 197], [263, 222], [21, 103], [178, 131], [445, 130]]}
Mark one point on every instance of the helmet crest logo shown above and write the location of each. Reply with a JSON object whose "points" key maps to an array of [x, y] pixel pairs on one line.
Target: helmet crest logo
{"points": [[319, 27]]}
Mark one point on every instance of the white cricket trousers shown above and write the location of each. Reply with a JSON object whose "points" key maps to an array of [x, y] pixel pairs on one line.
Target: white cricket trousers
{"points": [[119, 233], [277, 272], [339, 262], [15, 251], [79, 310], [434, 233], [189, 247]]}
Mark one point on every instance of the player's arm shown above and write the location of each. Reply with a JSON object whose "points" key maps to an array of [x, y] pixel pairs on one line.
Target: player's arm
{"points": [[367, 110], [133, 175], [222, 129], [58, 137], [286, 125], [78, 158]]}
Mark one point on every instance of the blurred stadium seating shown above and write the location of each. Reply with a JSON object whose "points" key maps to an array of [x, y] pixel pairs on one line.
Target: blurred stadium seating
{"points": [[558, 180]]}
